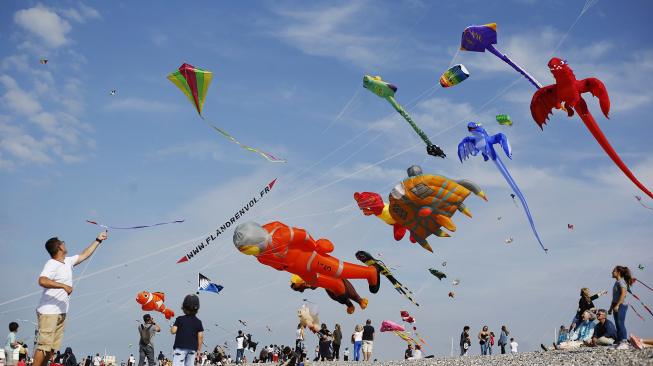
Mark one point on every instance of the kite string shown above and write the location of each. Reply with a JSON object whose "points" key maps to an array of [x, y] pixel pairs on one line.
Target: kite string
{"points": [[588, 4]]}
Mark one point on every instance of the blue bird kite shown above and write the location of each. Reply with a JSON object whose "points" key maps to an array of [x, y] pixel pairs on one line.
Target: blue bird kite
{"points": [[481, 142]]}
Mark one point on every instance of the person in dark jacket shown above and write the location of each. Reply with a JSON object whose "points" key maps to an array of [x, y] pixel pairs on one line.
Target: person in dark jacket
{"points": [[605, 333], [325, 343], [586, 302], [68, 358], [337, 339]]}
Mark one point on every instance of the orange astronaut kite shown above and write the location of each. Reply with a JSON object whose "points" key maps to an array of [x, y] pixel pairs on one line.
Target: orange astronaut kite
{"points": [[292, 249], [153, 301]]}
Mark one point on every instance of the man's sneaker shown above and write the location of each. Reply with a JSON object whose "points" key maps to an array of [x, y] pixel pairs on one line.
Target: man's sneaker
{"points": [[636, 342], [623, 345]]}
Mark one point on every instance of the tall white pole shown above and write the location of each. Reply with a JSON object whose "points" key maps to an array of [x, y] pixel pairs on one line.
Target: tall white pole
{"points": [[451, 353]]}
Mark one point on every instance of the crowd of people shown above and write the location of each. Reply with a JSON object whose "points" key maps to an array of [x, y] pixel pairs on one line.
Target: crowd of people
{"points": [[486, 340], [591, 327]]}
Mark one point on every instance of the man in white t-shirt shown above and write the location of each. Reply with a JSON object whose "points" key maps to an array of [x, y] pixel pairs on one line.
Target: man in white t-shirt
{"points": [[97, 360], [56, 278], [240, 343], [513, 346]]}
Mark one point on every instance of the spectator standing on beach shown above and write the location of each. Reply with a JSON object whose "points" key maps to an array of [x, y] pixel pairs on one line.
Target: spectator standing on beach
{"points": [[465, 341], [337, 339], [189, 333], [484, 340], [586, 302], [325, 342], [11, 344], [345, 354], [87, 362], [161, 358], [623, 281], [240, 346], [605, 332], [68, 358], [368, 340], [146, 332], [489, 349], [503, 339], [131, 360], [56, 278], [513, 346], [97, 360], [299, 339], [357, 339]]}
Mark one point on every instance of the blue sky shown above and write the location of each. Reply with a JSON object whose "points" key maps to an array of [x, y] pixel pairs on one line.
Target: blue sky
{"points": [[288, 79]]}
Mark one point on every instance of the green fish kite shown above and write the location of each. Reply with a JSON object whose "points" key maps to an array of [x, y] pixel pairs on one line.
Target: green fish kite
{"points": [[387, 91]]}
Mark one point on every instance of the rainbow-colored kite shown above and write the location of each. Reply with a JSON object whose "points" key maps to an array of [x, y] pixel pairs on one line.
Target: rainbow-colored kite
{"points": [[194, 83]]}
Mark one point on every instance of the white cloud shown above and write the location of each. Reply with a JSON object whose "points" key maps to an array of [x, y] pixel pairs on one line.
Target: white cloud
{"points": [[82, 14], [45, 24], [137, 104]]}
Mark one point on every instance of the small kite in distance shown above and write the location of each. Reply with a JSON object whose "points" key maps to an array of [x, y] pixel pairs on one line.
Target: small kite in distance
{"points": [[205, 284], [504, 120], [455, 282], [452, 294], [454, 76], [639, 199], [640, 267], [43, 61], [244, 323], [570, 226], [440, 275], [509, 240], [112, 92]]}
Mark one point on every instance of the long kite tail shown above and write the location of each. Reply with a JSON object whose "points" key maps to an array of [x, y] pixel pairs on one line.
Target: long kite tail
{"points": [[594, 128], [502, 168], [385, 271], [507, 60], [633, 309], [269, 157], [408, 119], [133, 227]]}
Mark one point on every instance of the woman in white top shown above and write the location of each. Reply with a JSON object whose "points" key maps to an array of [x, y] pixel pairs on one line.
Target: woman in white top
{"points": [[357, 338], [417, 353], [299, 341]]}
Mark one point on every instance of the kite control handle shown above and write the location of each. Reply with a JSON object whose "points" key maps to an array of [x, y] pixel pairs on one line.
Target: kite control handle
{"points": [[435, 150]]}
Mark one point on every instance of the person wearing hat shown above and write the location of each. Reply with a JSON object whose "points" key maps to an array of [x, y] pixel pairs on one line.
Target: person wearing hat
{"points": [[189, 333], [147, 330]]}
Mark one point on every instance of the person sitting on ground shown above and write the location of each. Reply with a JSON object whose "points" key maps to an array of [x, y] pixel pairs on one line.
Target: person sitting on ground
{"points": [[409, 352], [605, 333], [563, 334], [417, 353], [582, 335], [585, 303], [640, 343]]}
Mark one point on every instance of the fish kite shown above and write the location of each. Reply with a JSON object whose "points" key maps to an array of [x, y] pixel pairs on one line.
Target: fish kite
{"points": [[421, 204], [43, 61], [481, 142], [387, 91], [454, 76], [566, 94], [478, 38], [504, 120], [194, 83], [639, 199], [133, 227], [438, 274], [366, 258], [205, 284], [153, 301], [228, 223]]}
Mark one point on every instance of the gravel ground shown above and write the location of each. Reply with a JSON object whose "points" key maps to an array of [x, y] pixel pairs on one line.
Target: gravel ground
{"points": [[580, 357]]}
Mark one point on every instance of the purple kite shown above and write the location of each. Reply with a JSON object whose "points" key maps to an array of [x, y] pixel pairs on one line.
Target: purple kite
{"points": [[478, 38]]}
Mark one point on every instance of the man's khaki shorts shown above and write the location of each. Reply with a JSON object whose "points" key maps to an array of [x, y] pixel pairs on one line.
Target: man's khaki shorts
{"points": [[50, 331], [367, 346]]}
